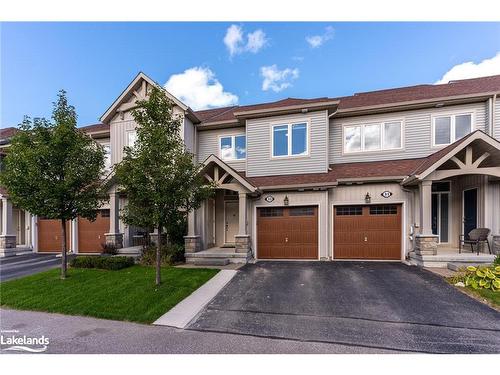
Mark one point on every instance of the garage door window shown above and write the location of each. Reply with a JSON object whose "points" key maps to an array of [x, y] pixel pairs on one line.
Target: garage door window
{"points": [[301, 211], [350, 210], [105, 213], [271, 212], [386, 209]]}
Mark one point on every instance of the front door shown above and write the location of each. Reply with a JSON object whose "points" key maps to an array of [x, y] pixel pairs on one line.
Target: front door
{"points": [[231, 221], [470, 210]]}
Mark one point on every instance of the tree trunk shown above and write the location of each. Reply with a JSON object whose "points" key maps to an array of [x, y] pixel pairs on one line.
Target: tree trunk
{"points": [[64, 265], [158, 257]]}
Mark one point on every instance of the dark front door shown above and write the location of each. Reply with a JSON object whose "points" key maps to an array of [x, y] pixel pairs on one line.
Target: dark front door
{"points": [[470, 210]]}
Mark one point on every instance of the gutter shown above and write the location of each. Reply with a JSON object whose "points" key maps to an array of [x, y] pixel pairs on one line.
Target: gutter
{"points": [[287, 108]]}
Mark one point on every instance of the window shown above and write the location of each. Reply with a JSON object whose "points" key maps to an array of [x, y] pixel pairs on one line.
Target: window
{"points": [[107, 156], [271, 212], [373, 137], [131, 138], [301, 211], [447, 129], [105, 213], [233, 147], [290, 140], [350, 211], [386, 209]]}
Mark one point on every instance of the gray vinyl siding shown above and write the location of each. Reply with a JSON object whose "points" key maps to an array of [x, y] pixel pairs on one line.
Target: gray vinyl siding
{"points": [[208, 143], [417, 130], [259, 160], [118, 132], [496, 125]]}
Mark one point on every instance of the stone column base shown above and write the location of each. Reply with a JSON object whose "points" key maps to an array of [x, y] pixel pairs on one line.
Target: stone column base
{"points": [[242, 243], [7, 245], [426, 244], [495, 242], [192, 244], [115, 239]]}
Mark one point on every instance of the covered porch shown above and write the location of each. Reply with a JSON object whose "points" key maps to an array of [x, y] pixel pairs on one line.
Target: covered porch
{"points": [[218, 231], [15, 228], [456, 190]]}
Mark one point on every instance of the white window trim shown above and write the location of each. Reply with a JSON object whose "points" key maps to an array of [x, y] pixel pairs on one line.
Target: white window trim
{"points": [[382, 135], [232, 136], [289, 139], [452, 116], [128, 132], [108, 144]]}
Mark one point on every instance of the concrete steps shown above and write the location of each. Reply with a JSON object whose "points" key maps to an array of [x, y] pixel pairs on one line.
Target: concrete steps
{"points": [[442, 260], [218, 257]]}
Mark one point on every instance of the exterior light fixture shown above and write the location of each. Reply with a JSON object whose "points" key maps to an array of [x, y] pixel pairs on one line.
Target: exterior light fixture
{"points": [[368, 199], [286, 201]]}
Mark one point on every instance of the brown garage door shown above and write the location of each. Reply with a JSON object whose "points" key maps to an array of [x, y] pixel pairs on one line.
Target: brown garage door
{"points": [[91, 233], [49, 235], [367, 232], [287, 233]]}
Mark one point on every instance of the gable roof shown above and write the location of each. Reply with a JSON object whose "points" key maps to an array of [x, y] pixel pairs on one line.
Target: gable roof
{"points": [[7, 133], [128, 92], [212, 159]]}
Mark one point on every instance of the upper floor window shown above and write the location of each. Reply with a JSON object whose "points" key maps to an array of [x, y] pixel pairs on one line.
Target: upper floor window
{"points": [[447, 129], [373, 137], [131, 138], [290, 140], [233, 147], [107, 156]]}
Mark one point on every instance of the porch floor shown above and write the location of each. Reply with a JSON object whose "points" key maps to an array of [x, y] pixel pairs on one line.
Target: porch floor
{"points": [[451, 255]]}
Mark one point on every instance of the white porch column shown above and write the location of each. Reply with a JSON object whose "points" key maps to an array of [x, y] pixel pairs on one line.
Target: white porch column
{"points": [[242, 240], [74, 236], [425, 195], [242, 219], [8, 235], [192, 223], [34, 233], [27, 229], [192, 243], [425, 242], [114, 237]]}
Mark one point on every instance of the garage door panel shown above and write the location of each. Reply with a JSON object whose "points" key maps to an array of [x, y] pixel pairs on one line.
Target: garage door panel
{"points": [[291, 233], [367, 232], [91, 234], [50, 234]]}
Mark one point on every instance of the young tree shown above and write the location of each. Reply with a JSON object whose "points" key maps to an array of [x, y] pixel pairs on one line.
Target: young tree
{"points": [[55, 170], [158, 174]]}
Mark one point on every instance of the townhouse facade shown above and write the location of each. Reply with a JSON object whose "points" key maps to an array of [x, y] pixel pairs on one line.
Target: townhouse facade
{"points": [[389, 175]]}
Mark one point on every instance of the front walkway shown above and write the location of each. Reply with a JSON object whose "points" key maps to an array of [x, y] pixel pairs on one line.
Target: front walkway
{"points": [[370, 304], [80, 335]]}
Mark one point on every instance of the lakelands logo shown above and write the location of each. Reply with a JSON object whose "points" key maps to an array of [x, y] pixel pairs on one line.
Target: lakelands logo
{"points": [[10, 341]]}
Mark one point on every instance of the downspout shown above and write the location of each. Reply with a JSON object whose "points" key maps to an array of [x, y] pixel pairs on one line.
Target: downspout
{"points": [[492, 114]]}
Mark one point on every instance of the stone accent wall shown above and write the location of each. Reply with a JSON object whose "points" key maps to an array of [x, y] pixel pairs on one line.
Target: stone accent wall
{"points": [[242, 243], [115, 239], [495, 248], [192, 244], [426, 244]]}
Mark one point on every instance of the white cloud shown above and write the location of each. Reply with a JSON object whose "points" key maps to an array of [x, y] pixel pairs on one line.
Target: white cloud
{"points": [[235, 40], [469, 69], [277, 80], [316, 41], [198, 88]]}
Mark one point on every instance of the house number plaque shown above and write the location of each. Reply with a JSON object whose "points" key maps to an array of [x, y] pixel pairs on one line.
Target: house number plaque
{"points": [[269, 198], [386, 194]]}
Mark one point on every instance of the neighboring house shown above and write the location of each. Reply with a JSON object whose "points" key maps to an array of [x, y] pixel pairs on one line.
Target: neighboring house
{"points": [[393, 174]]}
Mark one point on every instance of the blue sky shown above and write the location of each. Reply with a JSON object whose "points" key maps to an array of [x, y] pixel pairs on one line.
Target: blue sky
{"points": [[94, 62]]}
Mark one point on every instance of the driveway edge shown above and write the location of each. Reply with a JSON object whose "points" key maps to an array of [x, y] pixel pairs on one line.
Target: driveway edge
{"points": [[186, 310]]}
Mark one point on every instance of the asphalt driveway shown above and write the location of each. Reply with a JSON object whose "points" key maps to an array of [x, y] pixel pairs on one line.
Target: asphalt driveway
{"points": [[24, 265], [372, 305]]}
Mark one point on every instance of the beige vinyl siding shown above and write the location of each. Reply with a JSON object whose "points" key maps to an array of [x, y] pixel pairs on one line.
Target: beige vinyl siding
{"points": [[260, 162], [118, 131], [493, 207], [208, 143], [496, 125], [417, 132]]}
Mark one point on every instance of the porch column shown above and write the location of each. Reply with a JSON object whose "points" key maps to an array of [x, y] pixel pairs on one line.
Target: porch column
{"points": [[192, 243], [114, 237], [242, 239], [8, 236], [425, 242]]}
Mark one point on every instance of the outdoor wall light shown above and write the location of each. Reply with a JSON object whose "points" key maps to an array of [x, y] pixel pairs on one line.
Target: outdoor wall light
{"points": [[286, 201], [368, 199]]}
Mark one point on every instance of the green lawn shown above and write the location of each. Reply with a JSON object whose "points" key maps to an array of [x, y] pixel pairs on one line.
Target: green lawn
{"points": [[487, 294], [129, 294]]}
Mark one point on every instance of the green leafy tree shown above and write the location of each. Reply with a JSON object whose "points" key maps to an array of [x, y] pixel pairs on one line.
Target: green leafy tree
{"points": [[55, 170], [158, 174]]}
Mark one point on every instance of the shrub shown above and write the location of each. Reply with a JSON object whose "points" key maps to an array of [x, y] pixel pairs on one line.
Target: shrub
{"points": [[108, 248], [170, 254], [483, 277], [496, 262], [105, 263]]}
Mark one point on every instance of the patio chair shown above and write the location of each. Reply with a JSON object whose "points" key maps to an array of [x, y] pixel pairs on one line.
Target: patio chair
{"points": [[475, 237]]}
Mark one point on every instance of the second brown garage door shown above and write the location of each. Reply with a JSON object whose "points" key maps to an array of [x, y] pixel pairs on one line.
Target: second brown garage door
{"points": [[91, 233], [50, 234], [367, 232], [287, 233]]}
